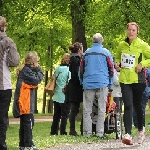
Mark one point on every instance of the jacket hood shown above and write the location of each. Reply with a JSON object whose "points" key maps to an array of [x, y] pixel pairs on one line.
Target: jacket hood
{"points": [[2, 35]]}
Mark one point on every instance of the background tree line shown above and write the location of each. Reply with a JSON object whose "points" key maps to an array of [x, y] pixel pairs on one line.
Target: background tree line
{"points": [[50, 26]]}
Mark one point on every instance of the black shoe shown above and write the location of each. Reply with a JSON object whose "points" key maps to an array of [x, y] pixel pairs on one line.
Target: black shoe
{"points": [[73, 133], [64, 133], [53, 133]]}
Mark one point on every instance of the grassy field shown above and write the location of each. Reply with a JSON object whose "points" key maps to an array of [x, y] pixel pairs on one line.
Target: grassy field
{"points": [[42, 138], [41, 132]]}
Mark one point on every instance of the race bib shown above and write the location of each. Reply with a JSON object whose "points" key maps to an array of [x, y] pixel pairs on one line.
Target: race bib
{"points": [[127, 60]]}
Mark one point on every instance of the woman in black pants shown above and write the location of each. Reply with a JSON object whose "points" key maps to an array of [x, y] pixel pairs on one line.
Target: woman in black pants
{"points": [[61, 109], [74, 90], [132, 56]]}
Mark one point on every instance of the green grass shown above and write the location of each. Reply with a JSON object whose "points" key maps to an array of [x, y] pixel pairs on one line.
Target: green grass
{"points": [[42, 138]]}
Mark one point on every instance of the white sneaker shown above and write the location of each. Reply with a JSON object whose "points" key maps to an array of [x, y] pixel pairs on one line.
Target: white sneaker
{"points": [[141, 137], [31, 148], [127, 139]]}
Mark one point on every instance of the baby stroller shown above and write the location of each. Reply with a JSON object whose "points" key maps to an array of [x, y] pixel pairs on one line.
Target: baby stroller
{"points": [[113, 119]]}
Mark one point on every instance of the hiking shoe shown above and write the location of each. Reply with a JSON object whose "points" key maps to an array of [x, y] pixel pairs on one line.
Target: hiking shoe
{"points": [[64, 133], [31, 148], [127, 139], [21, 148], [141, 137]]}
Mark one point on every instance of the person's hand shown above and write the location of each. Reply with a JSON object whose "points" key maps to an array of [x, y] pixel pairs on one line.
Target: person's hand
{"points": [[36, 64], [117, 66], [138, 68]]}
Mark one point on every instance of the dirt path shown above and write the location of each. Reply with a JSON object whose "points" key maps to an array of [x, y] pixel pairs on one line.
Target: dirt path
{"points": [[36, 119]]}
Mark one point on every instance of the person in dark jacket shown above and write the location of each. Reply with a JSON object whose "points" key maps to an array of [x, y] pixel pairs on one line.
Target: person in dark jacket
{"points": [[74, 89], [29, 76]]}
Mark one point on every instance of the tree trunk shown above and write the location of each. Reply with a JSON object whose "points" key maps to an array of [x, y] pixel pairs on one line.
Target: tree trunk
{"points": [[1, 6], [78, 13]]}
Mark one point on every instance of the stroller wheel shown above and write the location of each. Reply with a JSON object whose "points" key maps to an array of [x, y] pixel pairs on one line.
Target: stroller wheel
{"points": [[118, 126]]}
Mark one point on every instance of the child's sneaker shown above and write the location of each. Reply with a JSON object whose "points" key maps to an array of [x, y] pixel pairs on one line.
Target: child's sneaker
{"points": [[127, 139], [141, 137]]}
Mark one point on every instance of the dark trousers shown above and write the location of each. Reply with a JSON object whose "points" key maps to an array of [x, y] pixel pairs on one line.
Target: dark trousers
{"points": [[61, 111], [132, 96], [74, 110], [25, 131], [5, 98]]}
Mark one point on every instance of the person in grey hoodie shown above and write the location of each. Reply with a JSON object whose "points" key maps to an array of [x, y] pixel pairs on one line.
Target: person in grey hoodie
{"points": [[9, 58]]}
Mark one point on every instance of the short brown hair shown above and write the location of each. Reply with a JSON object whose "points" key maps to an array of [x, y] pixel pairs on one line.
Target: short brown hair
{"points": [[65, 58], [2, 21]]}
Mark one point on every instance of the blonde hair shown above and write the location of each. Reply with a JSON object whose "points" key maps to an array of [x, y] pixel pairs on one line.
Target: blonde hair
{"points": [[2, 21], [65, 58], [31, 57]]}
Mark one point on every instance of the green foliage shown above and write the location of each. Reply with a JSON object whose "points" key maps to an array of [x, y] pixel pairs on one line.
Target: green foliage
{"points": [[35, 25], [47, 26]]}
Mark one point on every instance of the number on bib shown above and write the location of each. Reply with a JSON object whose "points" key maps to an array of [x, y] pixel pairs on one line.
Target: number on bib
{"points": [[127, 60]]}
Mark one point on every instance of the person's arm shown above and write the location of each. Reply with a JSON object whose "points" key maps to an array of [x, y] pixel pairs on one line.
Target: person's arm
{"points": [[75, 63], [118, 54], [111, 68], [146, 53], [12, 55], [81, 70], [33, 77], [118, 58]]}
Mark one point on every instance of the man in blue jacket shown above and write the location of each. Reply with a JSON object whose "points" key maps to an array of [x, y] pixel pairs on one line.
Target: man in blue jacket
{"points": [[96, 74]]}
